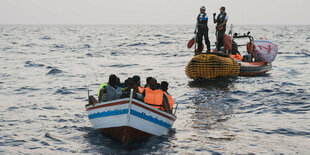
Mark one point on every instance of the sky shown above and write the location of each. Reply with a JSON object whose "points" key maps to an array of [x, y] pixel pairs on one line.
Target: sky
{"points": [[240, 12]]}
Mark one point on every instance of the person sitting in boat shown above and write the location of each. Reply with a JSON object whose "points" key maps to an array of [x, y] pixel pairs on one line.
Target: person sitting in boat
{"points": [[203, 30], [148, 79], [221, 21], [109, 91], [119, 84], [137, 80], [130, 84], [155, 97], [235, 54], [167, 96]]}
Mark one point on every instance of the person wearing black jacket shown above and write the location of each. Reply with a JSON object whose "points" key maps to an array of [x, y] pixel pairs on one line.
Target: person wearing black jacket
{"points": [[203, 30], [220, 21]]}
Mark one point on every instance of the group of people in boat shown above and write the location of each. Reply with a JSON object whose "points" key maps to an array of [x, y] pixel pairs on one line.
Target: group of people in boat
{"points": [[153, 93], [202, 29]]}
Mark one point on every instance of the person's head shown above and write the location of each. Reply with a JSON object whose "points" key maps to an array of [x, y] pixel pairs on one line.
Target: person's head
{"points": [[164, 86], [158, 86], [153, 84], [148, 80], [222, 9], [113, 80], [136, 79], [126, 81], [202, 9], [130, 84]]}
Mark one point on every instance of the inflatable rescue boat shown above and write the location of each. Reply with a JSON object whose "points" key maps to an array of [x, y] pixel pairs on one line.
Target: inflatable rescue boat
{"points": [[256, 61]]}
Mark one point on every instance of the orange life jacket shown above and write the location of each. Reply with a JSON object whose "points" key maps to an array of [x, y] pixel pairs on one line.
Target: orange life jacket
{"points": [[140, 89], [154, 98], [170, 100], [236, 56]]}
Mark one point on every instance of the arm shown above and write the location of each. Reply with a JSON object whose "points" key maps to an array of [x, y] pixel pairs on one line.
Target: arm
{"points": [[166, 106], [101, 95], [225, 21], [143, 93], [214, 20]]}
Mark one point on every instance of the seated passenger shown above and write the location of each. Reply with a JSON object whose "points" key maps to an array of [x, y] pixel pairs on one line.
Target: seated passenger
{"points": [[148, 79], [158, 86], [130, 84], [119, 84], [137, 80], [154, 97], [109, 91], [167, 96]]}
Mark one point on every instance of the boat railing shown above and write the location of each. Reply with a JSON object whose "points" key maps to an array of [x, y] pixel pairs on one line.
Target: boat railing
{"points": [[131, 99]]}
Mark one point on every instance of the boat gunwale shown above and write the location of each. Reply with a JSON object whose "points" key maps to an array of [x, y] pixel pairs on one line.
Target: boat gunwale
{"points": [[135, 102]]}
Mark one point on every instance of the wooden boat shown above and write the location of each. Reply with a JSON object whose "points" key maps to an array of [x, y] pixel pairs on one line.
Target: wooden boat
{"points": [[129, 119]]}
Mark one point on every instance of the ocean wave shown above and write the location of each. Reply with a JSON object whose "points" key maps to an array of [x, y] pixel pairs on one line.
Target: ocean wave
{"points": [[282, 131], [54, 71], [64, 91], [27, 88], [45, 38], [32, 64], [137, 44], [58, 46], [122, 65], [87, 46], [165, 42]]}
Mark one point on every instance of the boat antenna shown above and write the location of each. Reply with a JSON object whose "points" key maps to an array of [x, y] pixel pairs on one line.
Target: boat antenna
{"points": [[88, 91], [231, 31], [176, 107]]}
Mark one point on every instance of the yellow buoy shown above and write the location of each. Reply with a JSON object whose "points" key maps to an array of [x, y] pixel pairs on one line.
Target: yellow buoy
{"points": [[210, 66]]}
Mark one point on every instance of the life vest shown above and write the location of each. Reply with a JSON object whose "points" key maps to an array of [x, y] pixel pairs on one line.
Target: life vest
{"points": [[101, 86], [140, 89], [111, 93], [170, 100], [154, 98], [227, 43], [219, 20], [202, 20], [236, 56]]}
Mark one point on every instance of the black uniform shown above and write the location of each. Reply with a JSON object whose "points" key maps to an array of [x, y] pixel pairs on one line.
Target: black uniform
{"points": [[203, 31], [220, 31]]}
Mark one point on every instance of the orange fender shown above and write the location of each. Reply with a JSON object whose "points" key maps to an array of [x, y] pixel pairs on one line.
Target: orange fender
{"points": [[190, 43], [250, 47]]}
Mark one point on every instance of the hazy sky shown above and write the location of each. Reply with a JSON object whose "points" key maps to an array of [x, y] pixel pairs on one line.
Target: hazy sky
{"points": [[290, 12]]}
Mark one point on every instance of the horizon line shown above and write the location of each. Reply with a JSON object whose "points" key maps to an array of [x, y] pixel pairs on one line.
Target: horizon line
{"points": [[161, 24]]}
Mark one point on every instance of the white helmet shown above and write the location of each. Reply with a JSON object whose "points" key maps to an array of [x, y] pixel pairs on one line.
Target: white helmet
{"points": [[203, 7]]}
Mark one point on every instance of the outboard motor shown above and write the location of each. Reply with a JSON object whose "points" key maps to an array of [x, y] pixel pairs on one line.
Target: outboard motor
{"points": [[247, 58]]}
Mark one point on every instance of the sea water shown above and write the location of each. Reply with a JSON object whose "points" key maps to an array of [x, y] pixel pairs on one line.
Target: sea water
{"points": [[47, 70]]}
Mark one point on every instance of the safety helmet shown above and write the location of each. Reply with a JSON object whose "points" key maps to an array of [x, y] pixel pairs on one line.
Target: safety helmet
{"points": [[203, 7]]}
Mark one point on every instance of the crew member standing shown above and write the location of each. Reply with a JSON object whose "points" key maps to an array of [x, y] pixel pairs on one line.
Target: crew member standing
{"points": [[220, 21], [203, 30]]}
